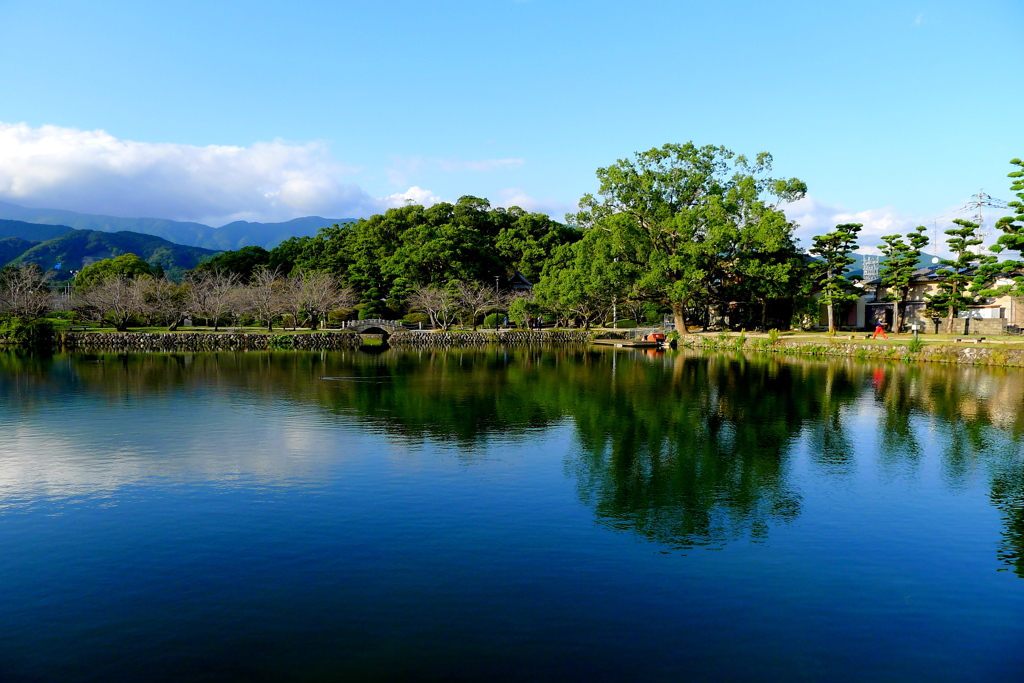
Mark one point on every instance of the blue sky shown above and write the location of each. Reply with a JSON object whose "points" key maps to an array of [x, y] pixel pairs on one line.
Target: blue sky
{"points": [[892, 112]]}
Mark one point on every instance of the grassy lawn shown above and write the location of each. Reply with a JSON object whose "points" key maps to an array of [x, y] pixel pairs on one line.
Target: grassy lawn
{"points": [[1012, 341]]}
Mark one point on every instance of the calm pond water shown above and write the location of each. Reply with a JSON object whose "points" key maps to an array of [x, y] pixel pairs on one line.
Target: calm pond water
{"points": [[559, 514]]}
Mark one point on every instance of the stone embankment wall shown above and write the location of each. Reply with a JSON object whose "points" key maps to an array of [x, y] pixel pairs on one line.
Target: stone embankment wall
{"points": [[507, 337], [967, 354], [226, 341], [139, 341]]}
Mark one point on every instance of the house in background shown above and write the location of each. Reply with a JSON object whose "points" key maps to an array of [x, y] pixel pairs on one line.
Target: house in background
{"points": [[989, 316]]}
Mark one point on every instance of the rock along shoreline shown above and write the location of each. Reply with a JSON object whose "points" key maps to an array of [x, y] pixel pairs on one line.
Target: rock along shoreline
{"points": [[229, 341], [966, 354]]}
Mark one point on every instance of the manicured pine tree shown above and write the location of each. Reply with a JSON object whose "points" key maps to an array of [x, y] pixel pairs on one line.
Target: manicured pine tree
{"points": [[958, 273], [901, 260], [833, 250], [1009, 269]]}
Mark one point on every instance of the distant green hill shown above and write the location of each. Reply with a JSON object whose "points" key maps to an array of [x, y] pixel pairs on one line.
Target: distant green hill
{"points": [[78, 248], [13, 247], [229, 237], [31, 231]]}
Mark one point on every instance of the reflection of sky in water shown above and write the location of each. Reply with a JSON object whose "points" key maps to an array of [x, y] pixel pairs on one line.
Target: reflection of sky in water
{"points": [[569, 529]]}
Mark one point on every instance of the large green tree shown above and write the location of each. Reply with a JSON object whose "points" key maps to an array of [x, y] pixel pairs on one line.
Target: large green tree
{"points": [[124, 266], [901, 262], [675, 214], [830, 271]]}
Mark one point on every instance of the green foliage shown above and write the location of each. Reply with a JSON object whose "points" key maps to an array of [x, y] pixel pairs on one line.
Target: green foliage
{"points": [[830, 272], [901, 260], [491, 320], [13, 247], [521, 309], [773, 337], [29, 334], [625, 324], [338, 316], [915, 345], [684, 224], [281, 341], [953, 295], [1007, 276], [243, 262], [126, 265], [416, 318], [390, 255]]}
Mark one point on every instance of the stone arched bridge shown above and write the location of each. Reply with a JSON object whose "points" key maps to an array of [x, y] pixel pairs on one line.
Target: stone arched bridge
{"points": [[374, 326]]}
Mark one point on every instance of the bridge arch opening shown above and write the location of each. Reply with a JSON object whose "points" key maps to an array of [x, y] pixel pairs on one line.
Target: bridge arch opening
{"points": [[384, 334]]}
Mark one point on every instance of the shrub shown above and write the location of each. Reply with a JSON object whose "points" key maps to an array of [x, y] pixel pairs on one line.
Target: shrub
{"points": [[520, 309], [491, 320], [341, 315], [416, 318], [915, 345], [625, 324], [652, 313], [27, 333], [773, 337]]}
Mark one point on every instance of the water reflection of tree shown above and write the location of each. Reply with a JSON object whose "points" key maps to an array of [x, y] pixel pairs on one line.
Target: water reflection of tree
{"points": [[682, 448], [701, 456], [979, 422]]}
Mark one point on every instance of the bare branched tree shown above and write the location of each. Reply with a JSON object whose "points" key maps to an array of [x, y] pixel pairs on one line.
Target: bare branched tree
{"points": [[115, 299], [439, 303], [213, 295], [476, 299], [24, 292], [311, 295], [163, 301], [265, 296]]}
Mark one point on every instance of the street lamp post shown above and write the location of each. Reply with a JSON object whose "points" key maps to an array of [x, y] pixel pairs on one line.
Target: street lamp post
{"points": [[497, 325]]}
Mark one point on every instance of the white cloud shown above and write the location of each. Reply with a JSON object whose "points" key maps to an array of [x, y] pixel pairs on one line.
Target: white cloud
{"points": [[817, 218], [513, 196], [414, 195], [95, 172]]}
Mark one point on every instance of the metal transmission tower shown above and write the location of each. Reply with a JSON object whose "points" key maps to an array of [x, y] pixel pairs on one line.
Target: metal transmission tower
{"points": [[975, 205]]}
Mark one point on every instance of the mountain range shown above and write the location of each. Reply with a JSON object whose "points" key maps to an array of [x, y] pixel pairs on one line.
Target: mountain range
{"points": [[228, 237], [49, 245]]}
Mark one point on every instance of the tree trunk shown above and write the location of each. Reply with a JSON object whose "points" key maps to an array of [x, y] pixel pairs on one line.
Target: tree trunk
{"points": [[679, 315], [831, 318]]}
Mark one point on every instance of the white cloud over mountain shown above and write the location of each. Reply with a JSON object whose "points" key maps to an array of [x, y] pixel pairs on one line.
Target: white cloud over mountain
{"points": [[95, 172]]}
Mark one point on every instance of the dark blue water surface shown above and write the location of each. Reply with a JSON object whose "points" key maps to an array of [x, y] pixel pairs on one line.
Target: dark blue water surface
{"points": [[559, 514]]}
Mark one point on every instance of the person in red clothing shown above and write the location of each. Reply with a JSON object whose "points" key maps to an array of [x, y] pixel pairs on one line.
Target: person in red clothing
{"points": [[879, 329]]}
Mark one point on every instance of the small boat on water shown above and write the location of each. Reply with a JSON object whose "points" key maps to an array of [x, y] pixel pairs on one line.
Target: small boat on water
{"points": [[648, 341]]}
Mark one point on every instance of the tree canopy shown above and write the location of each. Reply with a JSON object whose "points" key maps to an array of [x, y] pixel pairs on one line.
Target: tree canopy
{"points": [[690, 223]]}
